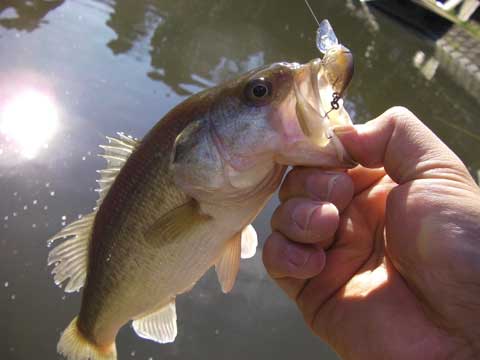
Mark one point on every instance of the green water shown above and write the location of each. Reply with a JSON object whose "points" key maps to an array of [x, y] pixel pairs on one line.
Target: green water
{"points": [[108, 66]]}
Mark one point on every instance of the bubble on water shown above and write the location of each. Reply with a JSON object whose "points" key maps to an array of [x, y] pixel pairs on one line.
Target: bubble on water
{"points": [[13, 297], [49, 243], [84, 158], [5, 284], [64, 223], [47, 184], [52, 193], [34, 226], [45, 207], [64, 297], [79, 216], [15, 193], [25, 207], [132, 353], [35, 202], [217, 332], [89, 153], [64, 217], [5, 218], [14, 213]]}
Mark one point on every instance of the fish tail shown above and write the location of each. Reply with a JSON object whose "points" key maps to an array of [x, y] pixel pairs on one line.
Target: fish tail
{"points": [[75, 346]]}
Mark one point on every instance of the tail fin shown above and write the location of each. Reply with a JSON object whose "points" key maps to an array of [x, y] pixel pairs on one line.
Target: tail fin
{"points": [[74, 346]]}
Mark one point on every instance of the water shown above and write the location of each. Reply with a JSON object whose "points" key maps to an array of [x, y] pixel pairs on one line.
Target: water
{"points": [[92, 68]]}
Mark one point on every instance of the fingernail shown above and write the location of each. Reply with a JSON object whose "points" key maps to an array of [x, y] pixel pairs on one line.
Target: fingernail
{"points": [[343, 129], [297, 256], [302, 213], [338, 132], [316, 188]]}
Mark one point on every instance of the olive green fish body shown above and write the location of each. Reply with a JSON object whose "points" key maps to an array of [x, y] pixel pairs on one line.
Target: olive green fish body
{"points": [[182, 199]]}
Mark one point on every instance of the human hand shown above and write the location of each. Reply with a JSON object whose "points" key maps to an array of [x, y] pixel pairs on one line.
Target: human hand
{"points": [[384, 263]]}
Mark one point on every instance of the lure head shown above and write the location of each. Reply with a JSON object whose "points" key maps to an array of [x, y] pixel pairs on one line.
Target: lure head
{"points": [[338, 67]]}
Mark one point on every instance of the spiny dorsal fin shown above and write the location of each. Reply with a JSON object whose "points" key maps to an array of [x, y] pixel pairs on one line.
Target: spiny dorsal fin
{"points": [[116, 153], [70, 257]]}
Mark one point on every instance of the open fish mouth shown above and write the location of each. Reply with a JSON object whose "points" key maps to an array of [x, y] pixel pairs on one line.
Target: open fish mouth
{"points": [[318, 87]]}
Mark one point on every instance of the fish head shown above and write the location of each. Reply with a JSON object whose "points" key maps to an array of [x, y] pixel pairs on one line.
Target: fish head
{"points": [[269, 118], [285, 111]]}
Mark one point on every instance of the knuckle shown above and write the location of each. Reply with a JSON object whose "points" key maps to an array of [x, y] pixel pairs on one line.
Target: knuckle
{"points": [[398, 112], [400, 116]]}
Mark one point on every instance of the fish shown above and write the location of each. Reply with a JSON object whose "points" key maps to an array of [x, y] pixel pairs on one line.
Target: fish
{"points": [[182, 199]]}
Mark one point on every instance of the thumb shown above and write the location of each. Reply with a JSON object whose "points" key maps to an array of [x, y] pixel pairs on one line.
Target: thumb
{"points": [[404, 146]]}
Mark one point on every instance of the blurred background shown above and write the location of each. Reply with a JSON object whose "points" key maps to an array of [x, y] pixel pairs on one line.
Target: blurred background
{"points": [[72, 72]]}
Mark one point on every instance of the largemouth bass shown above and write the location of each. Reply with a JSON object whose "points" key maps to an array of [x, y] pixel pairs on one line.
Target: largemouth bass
{"points": [[182, 199]]}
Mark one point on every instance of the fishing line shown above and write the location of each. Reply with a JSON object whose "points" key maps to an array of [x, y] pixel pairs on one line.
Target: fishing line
{"points": [[313, 14]]}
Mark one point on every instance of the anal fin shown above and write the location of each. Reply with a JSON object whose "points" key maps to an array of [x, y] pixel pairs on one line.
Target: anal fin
{"points": [[159, 326]]}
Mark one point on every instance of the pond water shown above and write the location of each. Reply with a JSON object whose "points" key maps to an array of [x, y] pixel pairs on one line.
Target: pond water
{"points": [[74, 72]]}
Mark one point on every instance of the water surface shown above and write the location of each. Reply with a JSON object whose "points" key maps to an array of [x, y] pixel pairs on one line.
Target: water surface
{"points": [[77, 71]]}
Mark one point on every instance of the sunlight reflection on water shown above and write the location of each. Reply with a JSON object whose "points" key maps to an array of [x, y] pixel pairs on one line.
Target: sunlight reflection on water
{"points": [[29, 120]]}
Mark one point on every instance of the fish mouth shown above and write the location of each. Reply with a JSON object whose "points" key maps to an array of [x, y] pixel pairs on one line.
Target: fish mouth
{"points": [[318, 87]]}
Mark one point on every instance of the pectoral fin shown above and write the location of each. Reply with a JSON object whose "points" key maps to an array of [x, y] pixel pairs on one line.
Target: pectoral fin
{"points": [[159, 326], [249, 242], [179, 223], [229, 263]]}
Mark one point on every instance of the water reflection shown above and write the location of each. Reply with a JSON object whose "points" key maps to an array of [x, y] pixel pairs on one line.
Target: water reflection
{"points": [[428, 67], [213, 40], [25, 15], [28, 121]]}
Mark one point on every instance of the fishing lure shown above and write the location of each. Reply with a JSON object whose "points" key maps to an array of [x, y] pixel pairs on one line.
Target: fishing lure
{"points": [[327, 41]]}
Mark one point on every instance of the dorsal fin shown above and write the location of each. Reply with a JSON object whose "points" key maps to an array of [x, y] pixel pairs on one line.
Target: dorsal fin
{"points": [[71, 256], [116, 153]]}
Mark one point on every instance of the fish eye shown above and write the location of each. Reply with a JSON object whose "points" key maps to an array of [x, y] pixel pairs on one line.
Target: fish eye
{"points": [[258, 91]]}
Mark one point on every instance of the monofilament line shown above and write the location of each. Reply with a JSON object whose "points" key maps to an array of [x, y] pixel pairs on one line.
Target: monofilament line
{"points": [[311, 10]]}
